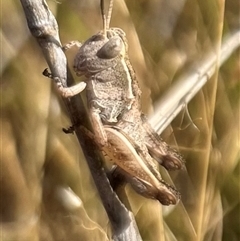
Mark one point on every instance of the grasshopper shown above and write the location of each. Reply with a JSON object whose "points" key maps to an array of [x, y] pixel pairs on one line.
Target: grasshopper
{"points": [[119, 127]]}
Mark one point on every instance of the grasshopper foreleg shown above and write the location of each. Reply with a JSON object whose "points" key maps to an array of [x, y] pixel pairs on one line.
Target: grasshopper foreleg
{"points": [[66, 92]]}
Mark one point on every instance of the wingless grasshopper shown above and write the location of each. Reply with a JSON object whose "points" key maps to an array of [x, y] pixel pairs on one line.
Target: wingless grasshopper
{"points": [[120, 129]]}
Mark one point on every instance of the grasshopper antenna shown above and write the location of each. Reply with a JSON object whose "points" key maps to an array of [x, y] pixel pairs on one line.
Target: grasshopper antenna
{"points": [[109, 15], [106, 20], [103, 18]]}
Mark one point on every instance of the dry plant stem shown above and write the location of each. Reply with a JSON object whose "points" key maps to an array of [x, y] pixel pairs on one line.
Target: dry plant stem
{"points": [[184, 89], [44, 28]]}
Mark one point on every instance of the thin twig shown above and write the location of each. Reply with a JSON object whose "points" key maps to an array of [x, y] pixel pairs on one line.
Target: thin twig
{"points": [[184, 89], [44, 28]]}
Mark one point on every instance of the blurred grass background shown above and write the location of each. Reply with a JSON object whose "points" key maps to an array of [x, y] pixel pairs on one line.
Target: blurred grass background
{"points": [[38, 160]]}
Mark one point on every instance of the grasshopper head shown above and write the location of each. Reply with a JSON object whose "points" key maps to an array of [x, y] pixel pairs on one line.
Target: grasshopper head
{"points": [[100, 52], [103, 50]]}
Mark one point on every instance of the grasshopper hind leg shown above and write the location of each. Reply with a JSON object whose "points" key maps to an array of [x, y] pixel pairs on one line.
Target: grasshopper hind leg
{"points": [[136, 171], [166, 195], [159, 150]]}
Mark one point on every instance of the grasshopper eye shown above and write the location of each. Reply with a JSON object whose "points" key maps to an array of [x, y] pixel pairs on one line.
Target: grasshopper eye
{"points": [[111, 49]]}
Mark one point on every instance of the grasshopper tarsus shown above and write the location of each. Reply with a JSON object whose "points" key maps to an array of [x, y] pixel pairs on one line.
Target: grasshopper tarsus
{"points": [[71, 44], [115, 177], [46, 73], [69, 130]]}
